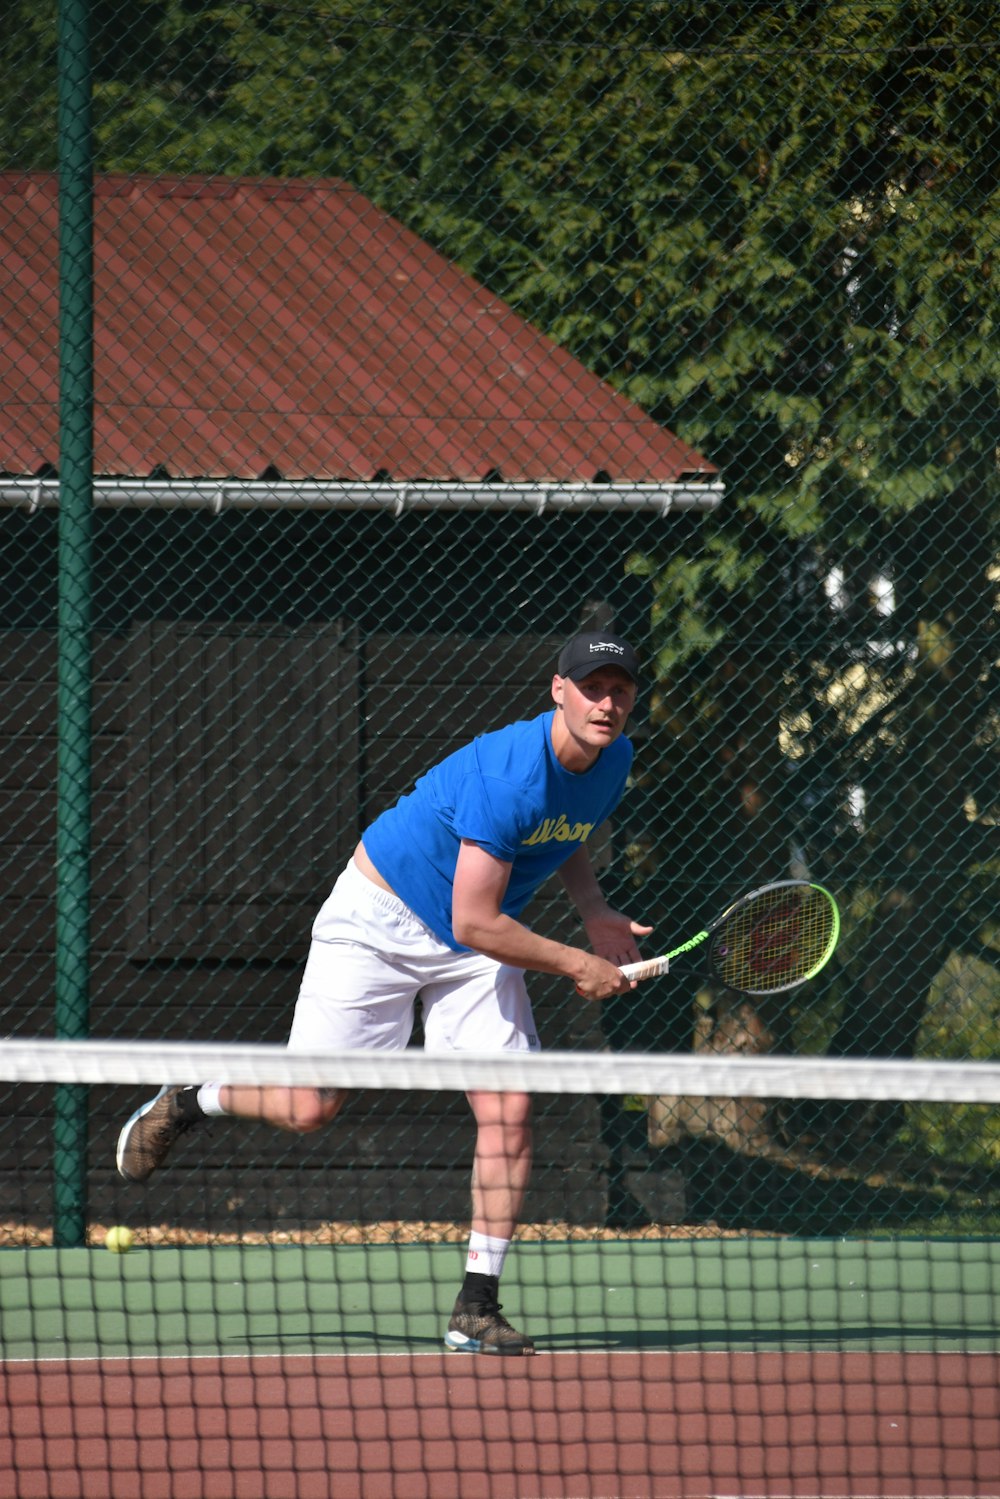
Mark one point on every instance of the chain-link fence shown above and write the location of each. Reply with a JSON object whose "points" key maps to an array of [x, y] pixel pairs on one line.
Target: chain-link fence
{"points": [[423, 336]]}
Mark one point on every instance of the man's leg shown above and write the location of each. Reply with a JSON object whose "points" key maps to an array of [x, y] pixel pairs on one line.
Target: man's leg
{"points": [[148, 1136], [476, 1004], [502, 1163], [353, 962], [300, 1110], [500, 1173]]}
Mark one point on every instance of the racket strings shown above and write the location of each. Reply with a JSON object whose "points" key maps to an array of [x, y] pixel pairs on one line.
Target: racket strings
{"points": [[773, 940]]}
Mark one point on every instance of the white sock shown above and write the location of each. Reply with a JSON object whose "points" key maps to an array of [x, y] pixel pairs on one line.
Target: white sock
{"points": [[208, 1099], [486, 1255]]}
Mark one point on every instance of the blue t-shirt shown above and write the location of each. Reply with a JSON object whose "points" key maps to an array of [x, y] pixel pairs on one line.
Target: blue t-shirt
{"points": [[507, 792]]}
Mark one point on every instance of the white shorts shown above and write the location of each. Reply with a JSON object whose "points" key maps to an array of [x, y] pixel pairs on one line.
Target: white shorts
{"points": [[369, 959]]}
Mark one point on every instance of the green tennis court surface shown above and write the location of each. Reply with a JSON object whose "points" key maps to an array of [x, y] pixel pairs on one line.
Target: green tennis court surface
{"points": [[684, 1295]]}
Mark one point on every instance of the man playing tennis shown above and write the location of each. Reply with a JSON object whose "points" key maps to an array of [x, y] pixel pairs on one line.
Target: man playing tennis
{"points": [[430, 905]]}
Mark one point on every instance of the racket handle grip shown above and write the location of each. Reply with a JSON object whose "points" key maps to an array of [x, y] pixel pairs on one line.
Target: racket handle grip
{"points": [[649, 968]]}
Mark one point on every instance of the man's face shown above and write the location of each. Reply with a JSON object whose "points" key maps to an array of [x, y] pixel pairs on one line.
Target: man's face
{"points": [[596, 709]]}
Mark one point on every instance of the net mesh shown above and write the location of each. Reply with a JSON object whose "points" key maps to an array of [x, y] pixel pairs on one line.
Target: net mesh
{"points": [[424, 335], [286, 1337]]}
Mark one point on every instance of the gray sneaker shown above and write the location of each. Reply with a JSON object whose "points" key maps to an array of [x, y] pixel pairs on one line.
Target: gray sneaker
{"points": [[146, 1138], [478, 1327]]}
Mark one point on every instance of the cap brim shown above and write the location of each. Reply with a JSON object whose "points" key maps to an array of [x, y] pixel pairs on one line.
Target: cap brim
{"points": [[578, 673]]}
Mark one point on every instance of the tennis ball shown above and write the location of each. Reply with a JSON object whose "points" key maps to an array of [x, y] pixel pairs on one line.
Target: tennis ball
{"points": [[119, 1240]]}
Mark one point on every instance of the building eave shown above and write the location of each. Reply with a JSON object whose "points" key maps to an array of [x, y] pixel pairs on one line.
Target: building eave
{"points": [[217, 495]]}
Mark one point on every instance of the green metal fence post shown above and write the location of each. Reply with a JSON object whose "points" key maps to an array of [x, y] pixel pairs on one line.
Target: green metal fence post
{"points": [[76, 387]]}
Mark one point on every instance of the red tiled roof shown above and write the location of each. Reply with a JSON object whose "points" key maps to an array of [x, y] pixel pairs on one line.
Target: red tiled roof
{"points": [[243, 326]]}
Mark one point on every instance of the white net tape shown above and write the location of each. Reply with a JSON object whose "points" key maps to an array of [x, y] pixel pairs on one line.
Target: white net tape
{"points": [[147, 1062]]}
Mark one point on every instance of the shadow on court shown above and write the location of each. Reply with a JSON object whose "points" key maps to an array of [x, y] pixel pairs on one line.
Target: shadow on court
{"points": [[665, 1339], [760, 1194]]}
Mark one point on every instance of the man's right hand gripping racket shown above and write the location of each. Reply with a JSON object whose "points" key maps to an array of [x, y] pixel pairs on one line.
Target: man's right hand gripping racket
{"points": [[772, 939]]}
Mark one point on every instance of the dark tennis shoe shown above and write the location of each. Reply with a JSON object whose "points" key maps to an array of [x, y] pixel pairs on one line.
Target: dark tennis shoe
{"points": [[146, 1139], [479, 1327]]}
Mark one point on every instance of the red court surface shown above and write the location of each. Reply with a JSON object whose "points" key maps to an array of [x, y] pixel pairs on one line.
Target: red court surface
{"points": [[595, 1425]]}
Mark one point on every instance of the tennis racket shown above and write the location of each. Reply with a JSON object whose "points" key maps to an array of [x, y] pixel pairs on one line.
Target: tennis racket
{"points": [[773, 939]]}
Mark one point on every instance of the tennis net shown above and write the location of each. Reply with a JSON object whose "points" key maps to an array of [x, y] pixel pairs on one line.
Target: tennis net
{"points": [[764, 1276]]}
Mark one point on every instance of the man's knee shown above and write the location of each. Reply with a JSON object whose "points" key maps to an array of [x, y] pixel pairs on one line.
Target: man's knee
{"points": [[310, 1108], [504, 1109]]}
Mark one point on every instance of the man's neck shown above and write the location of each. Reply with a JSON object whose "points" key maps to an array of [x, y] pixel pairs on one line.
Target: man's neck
{"points": [[572, 755]]}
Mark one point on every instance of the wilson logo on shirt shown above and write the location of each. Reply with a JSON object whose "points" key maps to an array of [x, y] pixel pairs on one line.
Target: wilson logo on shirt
{"points": [[559, 830]]}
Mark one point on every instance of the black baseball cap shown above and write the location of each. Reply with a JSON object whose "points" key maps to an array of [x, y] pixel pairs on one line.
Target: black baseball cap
{"points": [[585, 653]]}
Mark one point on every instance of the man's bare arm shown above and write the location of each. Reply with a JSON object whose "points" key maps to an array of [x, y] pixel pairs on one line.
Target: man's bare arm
{"points": [[479, 922], [612, 934]]}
